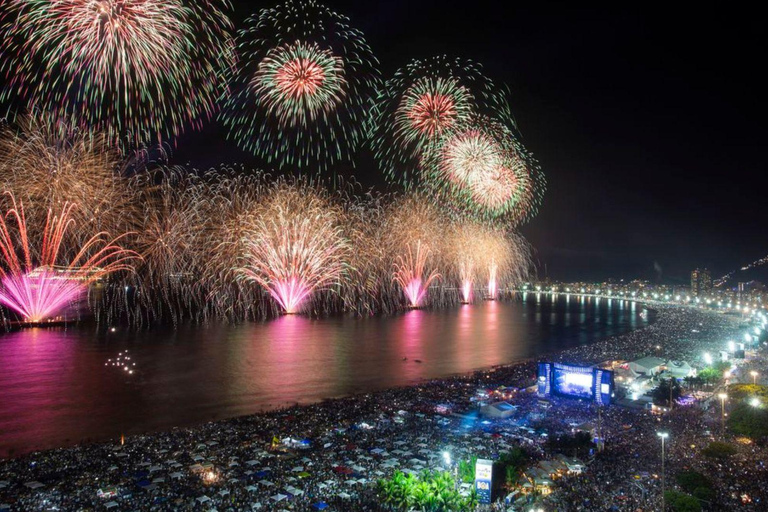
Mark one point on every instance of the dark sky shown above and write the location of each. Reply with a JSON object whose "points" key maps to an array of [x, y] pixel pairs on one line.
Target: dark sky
{"points": [[648, 121]]}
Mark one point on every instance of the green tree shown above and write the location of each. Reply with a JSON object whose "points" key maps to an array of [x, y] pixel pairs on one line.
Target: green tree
{"points": [[719, 450], [710, 376], [681, 502], [689, 481], [667, 388], [749, 421], [467, 469], [739, 392], [513, 463]]}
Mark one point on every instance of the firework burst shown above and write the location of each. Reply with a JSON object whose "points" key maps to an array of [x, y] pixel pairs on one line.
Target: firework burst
{"points": [[304, 87], [421, 104], [482, 169], [410, 273], [139, 69], [296, 246], [38, 285]]}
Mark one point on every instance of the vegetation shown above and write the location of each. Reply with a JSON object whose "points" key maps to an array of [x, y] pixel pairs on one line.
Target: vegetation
{"points": [[697, 484], [467, 469], [719, 450], [513, 463], [668, 388], [681, 502], [431, 491], [749, 421], [739, 392]]}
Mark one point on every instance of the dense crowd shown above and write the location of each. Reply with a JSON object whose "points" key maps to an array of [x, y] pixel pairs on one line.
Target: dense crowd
{"points": [[331, 453]]}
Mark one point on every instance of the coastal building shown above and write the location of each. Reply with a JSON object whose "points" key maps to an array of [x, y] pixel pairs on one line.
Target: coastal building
{"points": [[498, 410], [679, 370], [648, 366], [701, 282]]}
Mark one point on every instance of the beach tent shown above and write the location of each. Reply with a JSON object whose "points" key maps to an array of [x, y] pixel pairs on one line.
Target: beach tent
{"points": [[266, 483], [33, 485], [202, 499], [111, 504], [176, 475], [320, 506], [251, 488], [279, 497], [344, 495]]}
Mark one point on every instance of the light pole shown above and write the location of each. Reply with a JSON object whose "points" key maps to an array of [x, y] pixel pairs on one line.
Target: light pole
{"points": [[663, 436], [753, 373], [722, 397]]}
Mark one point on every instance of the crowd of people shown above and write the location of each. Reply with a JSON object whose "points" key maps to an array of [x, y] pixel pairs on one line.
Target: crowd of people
{"points": [[329, 455]]}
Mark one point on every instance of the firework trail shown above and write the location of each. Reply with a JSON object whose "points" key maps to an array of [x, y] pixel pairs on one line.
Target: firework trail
{"points": [[38, 285], [142, 70], [296, 246], [410, 274], [413, 238], [304, 87], [46, 163], [421, 104]]}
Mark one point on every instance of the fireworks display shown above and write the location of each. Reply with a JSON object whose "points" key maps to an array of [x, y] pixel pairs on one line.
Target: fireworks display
{"points": [[47, 163], [136, 69], [483, 170], [422, 103], [304, 86], [39, 282], [302, 92], [295, 247]]}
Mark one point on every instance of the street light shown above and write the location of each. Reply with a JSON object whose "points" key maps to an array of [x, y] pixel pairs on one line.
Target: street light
{"points": [[722, 397], [663, 436], [754, 402], [707, 358], [753, 373]]}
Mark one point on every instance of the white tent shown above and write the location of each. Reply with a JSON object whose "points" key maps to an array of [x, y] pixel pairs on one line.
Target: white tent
{"points": [[203, 499], [344, 496], [33, 485], [266, 482], [279, 497], [111, 504]]}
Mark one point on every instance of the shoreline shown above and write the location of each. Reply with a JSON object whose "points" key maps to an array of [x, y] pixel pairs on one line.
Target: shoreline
{"points": [[349, 442], [268, 409]]}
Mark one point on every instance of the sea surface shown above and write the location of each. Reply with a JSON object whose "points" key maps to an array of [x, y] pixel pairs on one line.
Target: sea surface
{"points": [[62, 386]]}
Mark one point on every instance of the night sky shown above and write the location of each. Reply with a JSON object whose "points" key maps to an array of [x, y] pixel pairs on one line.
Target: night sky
{"points": [[649, 124]]}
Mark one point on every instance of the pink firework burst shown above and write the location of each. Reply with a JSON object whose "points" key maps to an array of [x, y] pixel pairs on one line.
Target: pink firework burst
{"points": [[432, 113], [295, 246], [410, 274], [38, 285]]}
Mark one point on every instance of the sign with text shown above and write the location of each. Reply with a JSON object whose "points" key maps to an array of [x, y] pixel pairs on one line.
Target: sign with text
{"points": [[483, 480]]}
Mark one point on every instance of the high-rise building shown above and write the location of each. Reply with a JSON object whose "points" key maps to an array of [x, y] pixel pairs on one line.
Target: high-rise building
{"points": [[701, 282]]}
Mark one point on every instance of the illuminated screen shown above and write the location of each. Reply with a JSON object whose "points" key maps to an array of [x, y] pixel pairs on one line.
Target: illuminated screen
{"points": [[573, 383]]}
